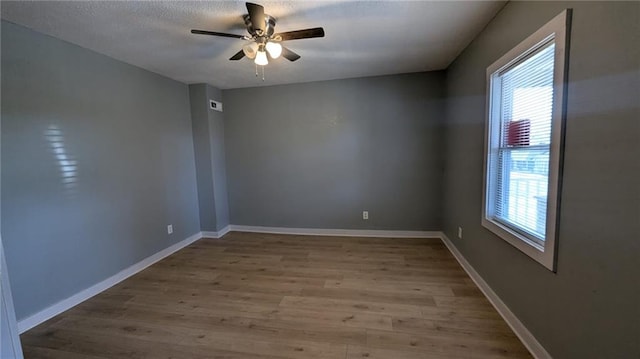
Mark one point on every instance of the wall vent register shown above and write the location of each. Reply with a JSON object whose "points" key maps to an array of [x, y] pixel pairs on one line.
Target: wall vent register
{"points": [[215, 105]]}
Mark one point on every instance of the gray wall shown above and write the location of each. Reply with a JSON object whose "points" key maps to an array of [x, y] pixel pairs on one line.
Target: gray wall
{"points": [[315, 155], [590, 308], [208, 142], [202, 151], [218, 159], [127, 131], [9, 338]]}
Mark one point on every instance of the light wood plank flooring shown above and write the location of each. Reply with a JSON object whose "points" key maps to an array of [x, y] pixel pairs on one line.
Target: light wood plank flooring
{"points": [[265, 296]]}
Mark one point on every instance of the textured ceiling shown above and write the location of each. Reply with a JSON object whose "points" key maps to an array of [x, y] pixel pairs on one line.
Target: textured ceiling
{"points": [[363, 38]]}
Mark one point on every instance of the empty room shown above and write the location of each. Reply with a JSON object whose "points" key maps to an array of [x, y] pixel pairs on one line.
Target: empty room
{"points": [[320, 179]]}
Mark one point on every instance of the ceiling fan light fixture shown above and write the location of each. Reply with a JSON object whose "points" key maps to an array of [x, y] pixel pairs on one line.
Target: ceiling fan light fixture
{"points": [[250, 50], [261, 58], [264, 42], [274, 49]]}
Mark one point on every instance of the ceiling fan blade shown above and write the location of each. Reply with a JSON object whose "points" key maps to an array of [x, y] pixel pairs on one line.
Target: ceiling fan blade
{"points": [[289, 55], [301, 34], [237, 56], [256, 14], [203, 32]]}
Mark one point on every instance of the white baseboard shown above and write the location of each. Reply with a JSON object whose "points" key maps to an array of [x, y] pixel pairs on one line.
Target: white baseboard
{"points": [[52, 311], [337, 232], [530, 342], [224, 231], [218, 234]]}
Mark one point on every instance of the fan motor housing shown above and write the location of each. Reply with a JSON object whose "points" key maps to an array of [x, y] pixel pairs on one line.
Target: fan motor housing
{"points": [[269, 29]]}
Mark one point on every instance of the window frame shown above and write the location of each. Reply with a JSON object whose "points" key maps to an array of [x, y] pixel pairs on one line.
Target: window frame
{"points": [[556, 30]]}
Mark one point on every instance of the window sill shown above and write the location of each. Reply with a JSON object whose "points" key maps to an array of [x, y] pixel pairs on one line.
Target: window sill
{"points": [[534, 250]]}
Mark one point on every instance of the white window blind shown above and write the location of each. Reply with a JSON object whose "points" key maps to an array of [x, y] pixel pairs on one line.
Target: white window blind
{"points": [[521, 165]]}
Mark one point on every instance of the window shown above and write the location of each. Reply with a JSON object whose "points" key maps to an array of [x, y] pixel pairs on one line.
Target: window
{"points": [[523, 144]]}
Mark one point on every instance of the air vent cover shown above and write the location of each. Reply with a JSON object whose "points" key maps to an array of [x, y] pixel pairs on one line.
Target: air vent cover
{"points": [[215, 105]]}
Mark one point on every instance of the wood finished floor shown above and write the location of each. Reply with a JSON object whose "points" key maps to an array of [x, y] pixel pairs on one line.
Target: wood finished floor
{"points": [[259, 296]]}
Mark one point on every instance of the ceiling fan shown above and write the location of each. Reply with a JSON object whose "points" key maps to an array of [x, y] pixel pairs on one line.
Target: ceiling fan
{"points": [[264, 40]]}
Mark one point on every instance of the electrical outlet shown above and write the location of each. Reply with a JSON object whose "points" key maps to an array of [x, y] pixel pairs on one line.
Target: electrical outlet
{"points": [[460, 232], [170, 229], [365, 214]]}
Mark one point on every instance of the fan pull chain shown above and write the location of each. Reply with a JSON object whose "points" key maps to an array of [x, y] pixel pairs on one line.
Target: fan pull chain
{"points": [[262, 72]]}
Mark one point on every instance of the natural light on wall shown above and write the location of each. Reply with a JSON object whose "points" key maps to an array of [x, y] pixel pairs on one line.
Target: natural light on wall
{"points": [[523, 153], [67, 165]]}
